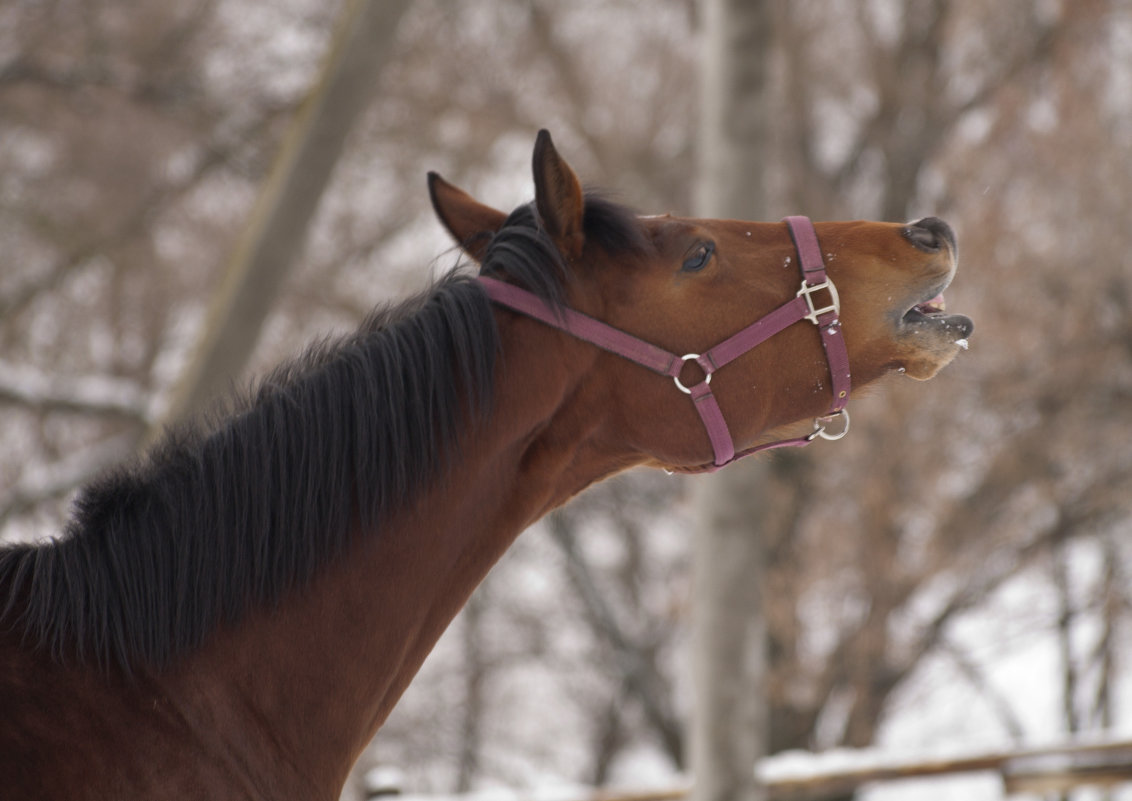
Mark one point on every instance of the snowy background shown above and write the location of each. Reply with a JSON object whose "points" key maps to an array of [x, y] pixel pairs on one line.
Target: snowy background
{"points": [[955, 579]]}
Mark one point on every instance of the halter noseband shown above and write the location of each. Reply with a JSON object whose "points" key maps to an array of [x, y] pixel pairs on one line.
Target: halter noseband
{"points": [[802, 307]]}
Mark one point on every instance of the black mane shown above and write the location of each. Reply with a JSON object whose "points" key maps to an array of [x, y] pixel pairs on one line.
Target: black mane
{"points": [[215, 519], [523, 252]]}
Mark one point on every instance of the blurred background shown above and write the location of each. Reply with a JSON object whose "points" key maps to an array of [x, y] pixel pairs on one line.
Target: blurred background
{"points": [[958, 573]]}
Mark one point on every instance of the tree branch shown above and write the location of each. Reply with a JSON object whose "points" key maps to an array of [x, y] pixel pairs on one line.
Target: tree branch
{"points": [[95, 394], [639, 674]]}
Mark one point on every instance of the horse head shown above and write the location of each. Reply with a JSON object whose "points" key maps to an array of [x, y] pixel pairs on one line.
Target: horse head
{"points": [[686, 284]]}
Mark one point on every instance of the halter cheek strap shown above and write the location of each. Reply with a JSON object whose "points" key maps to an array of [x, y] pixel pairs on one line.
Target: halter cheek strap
{"points": [[807, 304]]}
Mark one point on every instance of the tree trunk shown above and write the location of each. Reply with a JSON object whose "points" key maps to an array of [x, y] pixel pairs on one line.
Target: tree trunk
{"points": [[728, 732], [476, 671], [277, 229]]}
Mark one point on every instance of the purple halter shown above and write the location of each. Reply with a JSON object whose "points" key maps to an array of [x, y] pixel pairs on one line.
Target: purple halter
{"points": [[802, 307]]}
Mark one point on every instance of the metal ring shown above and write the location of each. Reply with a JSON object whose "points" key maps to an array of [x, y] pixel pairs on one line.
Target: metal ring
{"points": [[820, 424], [687, 357]]}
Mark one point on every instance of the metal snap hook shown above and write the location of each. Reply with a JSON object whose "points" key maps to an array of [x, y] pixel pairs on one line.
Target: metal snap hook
{"points": [[821, 426]]}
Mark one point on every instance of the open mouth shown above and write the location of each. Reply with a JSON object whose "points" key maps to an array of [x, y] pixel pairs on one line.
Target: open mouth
{"points": [[932, 313], [925, 310]]}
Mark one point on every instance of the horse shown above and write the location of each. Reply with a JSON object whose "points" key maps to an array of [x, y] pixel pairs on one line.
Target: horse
{"points": [[234, 614]]}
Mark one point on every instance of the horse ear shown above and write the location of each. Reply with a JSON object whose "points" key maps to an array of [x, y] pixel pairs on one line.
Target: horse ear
{"points": [[558, 197], [470, 222]]}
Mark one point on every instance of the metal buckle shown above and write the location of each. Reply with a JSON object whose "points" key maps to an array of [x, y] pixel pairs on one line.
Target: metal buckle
{"points": [[821, 425], [691, 357], [807, 291]]}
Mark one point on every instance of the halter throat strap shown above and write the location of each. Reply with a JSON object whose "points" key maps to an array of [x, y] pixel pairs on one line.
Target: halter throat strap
{"points": [[816, 301]]}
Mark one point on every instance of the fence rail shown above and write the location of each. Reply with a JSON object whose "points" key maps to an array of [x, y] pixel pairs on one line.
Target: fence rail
{"points": [[800, 776], [811, 777]]}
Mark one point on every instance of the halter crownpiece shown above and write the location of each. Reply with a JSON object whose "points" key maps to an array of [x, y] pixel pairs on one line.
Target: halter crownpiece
{"points": [[808, 304]]}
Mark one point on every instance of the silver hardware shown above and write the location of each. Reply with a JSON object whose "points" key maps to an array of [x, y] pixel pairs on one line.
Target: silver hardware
{"points": [[691, 357], [807, 292], [821, 425]]}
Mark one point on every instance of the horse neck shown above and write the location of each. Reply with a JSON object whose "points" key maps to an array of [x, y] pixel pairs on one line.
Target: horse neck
{"points": [[321, 671]]}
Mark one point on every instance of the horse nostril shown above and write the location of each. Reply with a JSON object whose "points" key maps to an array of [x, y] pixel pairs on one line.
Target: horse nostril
{"points": [[930, 234]]}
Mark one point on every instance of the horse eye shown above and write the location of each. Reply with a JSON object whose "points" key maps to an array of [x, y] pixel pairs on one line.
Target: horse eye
{"points": [[699, 257]]}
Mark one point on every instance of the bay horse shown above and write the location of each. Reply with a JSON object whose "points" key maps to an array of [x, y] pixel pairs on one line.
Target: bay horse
{"points": [[234, 615]]}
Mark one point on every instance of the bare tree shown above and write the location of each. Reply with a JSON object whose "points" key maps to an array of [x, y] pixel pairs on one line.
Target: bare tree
{"points": [[890, 573], [729, 720], [131, 150], [277, 228]]}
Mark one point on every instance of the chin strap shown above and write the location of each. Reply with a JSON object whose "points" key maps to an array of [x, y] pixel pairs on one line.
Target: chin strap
{"points": [[803, 306]]}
